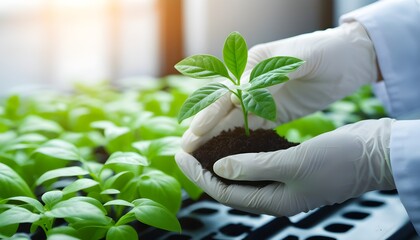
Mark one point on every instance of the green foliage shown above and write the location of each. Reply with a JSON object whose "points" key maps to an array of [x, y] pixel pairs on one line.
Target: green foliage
{"points": [[201, 99], [99, 159], [121, 232], [161, 188], [154, 214], [79, 185], [59, 149], [253, 96], [202, 66], [358, 106], [306, 128], [11, 184], [89, 157], [17, 215], [235, 54], [61, 172], [260, 102]]}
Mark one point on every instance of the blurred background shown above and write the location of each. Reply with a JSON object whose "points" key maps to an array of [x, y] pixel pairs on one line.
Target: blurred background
{"points": [[57, 42]]}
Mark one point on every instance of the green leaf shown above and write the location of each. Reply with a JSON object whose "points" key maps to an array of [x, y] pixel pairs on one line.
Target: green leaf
{"points": [[115, 132], [267, 81], [17, 215], [76, 208], [200, 99], [61, 172], [372, 107], [166, 146], [235, 54], [161, 188], [83, 139], [110, 191], [90, 200], [121, 232], [130, 191], [260, 102], [12, 106], [158, 102], [21, 146], [94, 167], [79, 118], [126, 218], [31, 201], [102, 124], [202, 66], [6, 138], [274, 66], [154, 214], [62, 231], [305, 128], [31, 138], [11, 184], [80, 184], [190, 187], [94, 227], [36, 124], [119, 180], [8, 231], [61, 236], [119, 139], [52, 197], [59, 149], [90, 230], [130, 158], [160, 126], [5, 124], [119, 202]]}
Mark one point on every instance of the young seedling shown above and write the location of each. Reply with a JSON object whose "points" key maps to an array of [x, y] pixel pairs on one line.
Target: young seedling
{"points": [[253, 95]]}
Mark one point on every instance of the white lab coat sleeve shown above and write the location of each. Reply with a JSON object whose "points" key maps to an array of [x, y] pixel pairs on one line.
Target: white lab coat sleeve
{"points": [[394, 27], [405, 162]]}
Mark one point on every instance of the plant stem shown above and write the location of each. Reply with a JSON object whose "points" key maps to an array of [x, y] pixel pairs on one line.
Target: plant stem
{"points": [[233, 81], [244, 112], [44, 228]]}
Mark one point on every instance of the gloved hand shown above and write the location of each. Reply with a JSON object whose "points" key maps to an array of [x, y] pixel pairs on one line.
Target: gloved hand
{"points": [[338, 62], [327, 169]]}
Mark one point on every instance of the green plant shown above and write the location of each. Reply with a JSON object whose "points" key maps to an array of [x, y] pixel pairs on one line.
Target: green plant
{"points": [[91, 164], [253, 96], [95, 163], [360, 105]]}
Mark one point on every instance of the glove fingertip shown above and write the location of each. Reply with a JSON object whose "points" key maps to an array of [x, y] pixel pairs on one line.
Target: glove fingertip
{"points": [[222, 168], [228, 167], [190, 142], [189, 165], [180, 157]]}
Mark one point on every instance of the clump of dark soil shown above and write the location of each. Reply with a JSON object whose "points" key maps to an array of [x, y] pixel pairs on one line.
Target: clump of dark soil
{"points": [[234, 142]]}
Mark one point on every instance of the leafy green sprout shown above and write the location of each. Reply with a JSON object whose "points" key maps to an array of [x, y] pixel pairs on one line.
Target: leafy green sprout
{"points": [[253, 96], [52, 179]]}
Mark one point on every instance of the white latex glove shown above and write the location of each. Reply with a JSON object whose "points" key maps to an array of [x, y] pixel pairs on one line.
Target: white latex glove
{"points": [[338, 62], [327, 169]]}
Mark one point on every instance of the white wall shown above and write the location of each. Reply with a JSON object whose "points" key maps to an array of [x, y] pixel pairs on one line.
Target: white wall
{"points": [[22, 43], [208, 22], [344, 6], [53, 43]]}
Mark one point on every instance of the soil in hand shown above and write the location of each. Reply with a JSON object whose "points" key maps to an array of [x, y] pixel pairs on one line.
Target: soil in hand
{"points": [[234, 142]]}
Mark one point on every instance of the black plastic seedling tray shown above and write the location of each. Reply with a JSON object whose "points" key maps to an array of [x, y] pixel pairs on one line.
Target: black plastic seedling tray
{"points": [[374, 215]]}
